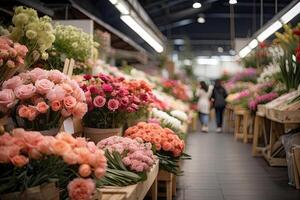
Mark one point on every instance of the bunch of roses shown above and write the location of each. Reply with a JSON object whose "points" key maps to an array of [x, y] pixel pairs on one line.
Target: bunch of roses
{"points": [[39, 92], [136, 155], [12, 54], [162, 138], [265, 98], [114, 93], [176, 88], [81, 189], [22, 146]]}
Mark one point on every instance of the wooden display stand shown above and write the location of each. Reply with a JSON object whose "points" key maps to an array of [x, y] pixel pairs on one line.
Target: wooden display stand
{"points": [[229, 118], [296, 165], [133, 192], [193, 124], [243, 121], [261, 130], [169, 180]]}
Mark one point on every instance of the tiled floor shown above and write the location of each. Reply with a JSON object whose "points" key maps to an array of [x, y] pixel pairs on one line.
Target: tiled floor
{"points": [[223, 169]]}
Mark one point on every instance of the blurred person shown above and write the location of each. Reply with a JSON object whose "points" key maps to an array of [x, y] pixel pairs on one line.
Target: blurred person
{"points": [[218, 97], [204, 105]]}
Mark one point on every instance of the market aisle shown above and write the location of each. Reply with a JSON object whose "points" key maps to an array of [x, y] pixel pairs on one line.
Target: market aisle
{"points": [[224, 169]]}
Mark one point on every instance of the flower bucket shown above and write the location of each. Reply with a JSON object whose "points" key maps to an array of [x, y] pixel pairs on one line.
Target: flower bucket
{"points": [[50, 132], [42, 192], [97, 134]]}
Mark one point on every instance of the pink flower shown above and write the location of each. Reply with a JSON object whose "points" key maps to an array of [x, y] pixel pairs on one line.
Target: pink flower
{"points": [[56, 105], [32, 113], [21, 49], [113, 104], [43, 86], [79, 95], [69, 102], [37, 74], [56, 76], [7, 98], [42, 107], [80, 110], [10, 64], [70, 158], [124, 101], [99, 172], [99, 101], [84, 170], [60, 147], [87, 76], [23, 111], [68, 88], [12, 83], [107, 87], [57, 93], [25, 91], [84, 155], [19, 160], [81, 189]]}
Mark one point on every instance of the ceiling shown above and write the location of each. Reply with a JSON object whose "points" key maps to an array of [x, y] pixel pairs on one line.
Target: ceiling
{"points": [[177, 19]]}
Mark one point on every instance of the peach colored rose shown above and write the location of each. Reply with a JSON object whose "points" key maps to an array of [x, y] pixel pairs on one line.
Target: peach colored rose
{"points": [[70, 158], [69, 102], [57, 93], [56, 76], [99, 159], [19, 160], [66, 137], [44, 145], [81, 142], [12, 83], [32, 113], [7, 98], [81, 189], [23, 111], [25, 91], [99, 172], [60, 147], [65, 113], [56, 105], [68, 88], [42, 107], [34, 154], [37, 74], [43, 86], [80, 110], [84, 170], [79, 95], [92, 147], [4, 157], [84, 155]]}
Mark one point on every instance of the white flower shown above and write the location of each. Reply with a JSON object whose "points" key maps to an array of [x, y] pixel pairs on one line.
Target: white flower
{"points": [[166, 119], [179, 115]]}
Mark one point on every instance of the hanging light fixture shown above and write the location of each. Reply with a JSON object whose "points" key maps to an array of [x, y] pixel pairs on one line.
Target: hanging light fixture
{"points": [[232, 2], [197, 5]]}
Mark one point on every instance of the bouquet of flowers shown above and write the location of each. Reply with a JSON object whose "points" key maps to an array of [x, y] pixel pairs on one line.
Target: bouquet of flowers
{"points": [[176, 88], [38, 99], [246, 75], [29, 159], [258, 58], [269, 73], [242, 98], [166, 144], [34, 32], [12, 57], [112, 101], [167, 120], [182, 116], [262, 99]]}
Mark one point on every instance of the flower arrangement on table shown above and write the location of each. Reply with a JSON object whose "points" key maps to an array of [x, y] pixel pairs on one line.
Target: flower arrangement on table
{"points": [[167, 146], [262, 99], [112, 101], [12, 57], [127, 159], [176, 88], [241, 99], [29, 159], [38, 99], [35, 33], [247, 75]]}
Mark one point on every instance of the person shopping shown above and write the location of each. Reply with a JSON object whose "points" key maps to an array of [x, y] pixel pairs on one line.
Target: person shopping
{"points": [[204, 105], [218, 97]]}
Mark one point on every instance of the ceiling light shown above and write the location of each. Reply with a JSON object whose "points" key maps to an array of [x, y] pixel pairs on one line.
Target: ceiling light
{"points": [[197, 5], [113, 1], [269, 31], [232, 52], [123, 8], [207, 61], [220, 49], [291, 14], [179, 41], [227, 58], [244, 51], [127, 19], [201, 20], [253, 44], [232, 2]]}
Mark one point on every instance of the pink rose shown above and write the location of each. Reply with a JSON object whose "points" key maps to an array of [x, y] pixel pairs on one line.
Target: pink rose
{"points": [[56, 105], [99, 172], [21, 49], [56, 76], [79, 95], [12, 83], [42, 107], [19, 160], [84, 170], [25, 91], [69, 102], [81, 189], [68, 88], [32, 113], [57, 93], [99, 101], [113, 104], [79, 110], [7, 98], [88, 96], [107, 87], [60, 147], [23, 111], [43, 86], [37, 74], [70, 158]]}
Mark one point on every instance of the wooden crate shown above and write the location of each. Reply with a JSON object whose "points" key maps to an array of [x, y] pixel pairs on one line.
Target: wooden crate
{"points": [[169, 180], [284, 116], [133, 192], [261, 131], [243, 123]]}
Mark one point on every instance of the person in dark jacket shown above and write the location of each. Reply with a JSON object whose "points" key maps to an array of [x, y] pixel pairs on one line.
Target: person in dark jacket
{"points": [[218, 97]]}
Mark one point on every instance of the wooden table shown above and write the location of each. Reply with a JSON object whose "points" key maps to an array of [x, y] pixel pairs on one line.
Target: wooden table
{"points": [[229, 118], [243, 121], [133, 192]]}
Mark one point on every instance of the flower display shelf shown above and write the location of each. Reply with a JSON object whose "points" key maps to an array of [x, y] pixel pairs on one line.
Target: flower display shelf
{"points": [[296, 165], [243, 124], [97, 134], [229, 117], [133, 192], [169, 180]]}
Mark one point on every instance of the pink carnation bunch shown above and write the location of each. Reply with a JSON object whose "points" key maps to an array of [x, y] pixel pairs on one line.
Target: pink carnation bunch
{"points": [[12, 54], [136, 155], [22, 146], [39, 93], [262, 99]]}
